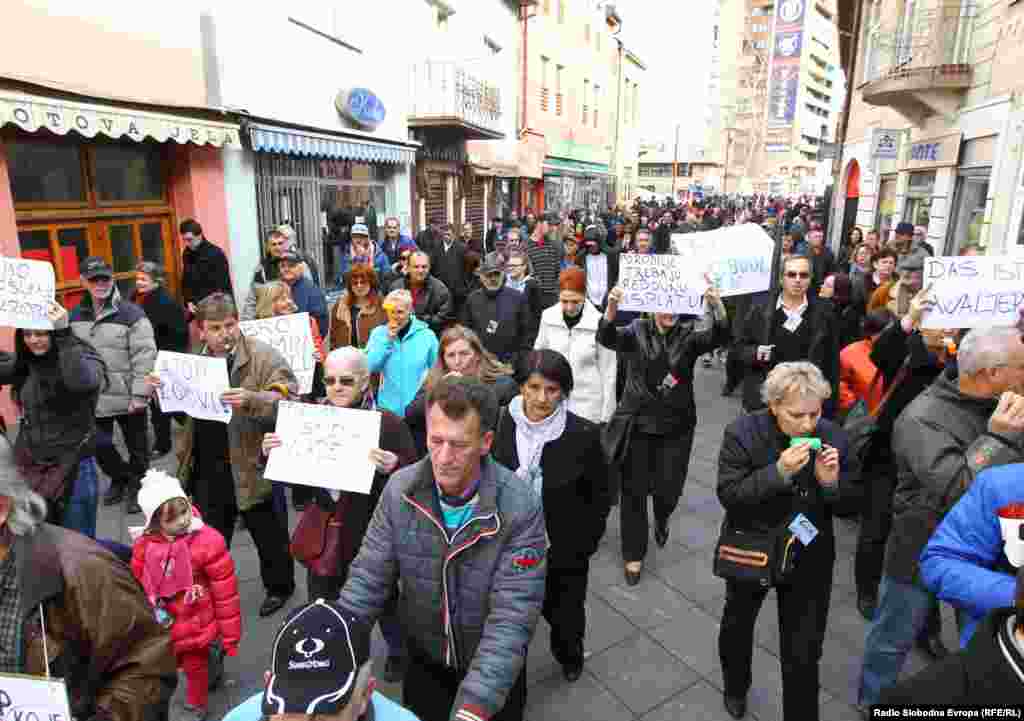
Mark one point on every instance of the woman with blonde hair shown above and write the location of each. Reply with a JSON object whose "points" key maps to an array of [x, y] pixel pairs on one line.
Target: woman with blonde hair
{"points": [[460, 353]]}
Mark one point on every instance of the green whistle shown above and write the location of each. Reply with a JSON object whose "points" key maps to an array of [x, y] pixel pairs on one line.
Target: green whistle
{"points": [[814, 443]]}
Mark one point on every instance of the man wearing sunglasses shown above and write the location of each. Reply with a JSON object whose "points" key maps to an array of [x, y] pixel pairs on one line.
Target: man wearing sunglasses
{"points": [[794, 325]]}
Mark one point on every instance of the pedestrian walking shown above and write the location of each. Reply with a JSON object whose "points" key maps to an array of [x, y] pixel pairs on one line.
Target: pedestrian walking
{"points": [[651, 432]]}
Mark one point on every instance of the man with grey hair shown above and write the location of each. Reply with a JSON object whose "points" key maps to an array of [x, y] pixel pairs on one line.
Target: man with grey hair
{"points": [[969, 419], [100, 628], [402, 351], [466, 538]]}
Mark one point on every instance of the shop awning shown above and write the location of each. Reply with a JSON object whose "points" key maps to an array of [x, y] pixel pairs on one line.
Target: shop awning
{"points": [[556, 166], [271, 139], [31, 112]]}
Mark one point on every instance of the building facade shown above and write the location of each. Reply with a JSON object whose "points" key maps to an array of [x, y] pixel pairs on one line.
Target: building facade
{"points": [[100, 163], [572, 63], [694, 174], [780, 89], [934, 134], [626, 141]]}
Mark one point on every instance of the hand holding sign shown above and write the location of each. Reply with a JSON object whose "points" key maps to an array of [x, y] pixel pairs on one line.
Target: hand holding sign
{"points": [[58, 316], [236, 397], [920, 304], [1008, 417]]}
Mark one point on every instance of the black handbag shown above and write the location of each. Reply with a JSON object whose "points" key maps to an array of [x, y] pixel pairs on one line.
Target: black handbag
{"points": [[862, 428], [759, 558]]}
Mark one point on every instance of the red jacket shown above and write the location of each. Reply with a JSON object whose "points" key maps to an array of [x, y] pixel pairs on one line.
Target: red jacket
{"points": [[856, 377], [217, 612]]}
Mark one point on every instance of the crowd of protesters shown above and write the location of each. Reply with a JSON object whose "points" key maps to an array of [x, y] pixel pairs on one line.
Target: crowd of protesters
{"points": [[515, 394]]}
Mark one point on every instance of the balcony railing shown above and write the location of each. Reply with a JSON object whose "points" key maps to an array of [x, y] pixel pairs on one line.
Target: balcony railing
{"points": [[936, 37], [446, 94]]}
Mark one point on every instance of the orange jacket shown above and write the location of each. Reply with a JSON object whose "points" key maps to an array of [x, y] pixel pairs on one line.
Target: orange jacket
{"points": [[856, 374]]}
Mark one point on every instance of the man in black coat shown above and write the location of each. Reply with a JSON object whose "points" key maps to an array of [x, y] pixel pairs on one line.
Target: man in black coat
{"points": [[448, 264], [204, 267], [499, 315], [793, 326]]}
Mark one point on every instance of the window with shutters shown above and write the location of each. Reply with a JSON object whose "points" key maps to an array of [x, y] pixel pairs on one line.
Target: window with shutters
{"points": [[544, 83], [597, 102], [586, 98], [558, 89]]}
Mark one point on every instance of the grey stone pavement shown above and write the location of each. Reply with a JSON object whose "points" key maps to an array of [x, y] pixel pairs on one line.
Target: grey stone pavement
{"points": [[651, 649]]}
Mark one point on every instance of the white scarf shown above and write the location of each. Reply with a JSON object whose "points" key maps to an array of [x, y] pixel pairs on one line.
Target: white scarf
{"points": [[530, 440]]}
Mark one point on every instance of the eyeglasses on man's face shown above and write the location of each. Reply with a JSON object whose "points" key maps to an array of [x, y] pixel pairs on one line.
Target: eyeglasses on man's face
{"points": [[343, 381], [797, 274]]}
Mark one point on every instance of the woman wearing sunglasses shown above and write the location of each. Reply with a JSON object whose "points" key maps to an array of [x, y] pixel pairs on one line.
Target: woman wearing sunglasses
{"points": [[794, 325], [347, 379]]}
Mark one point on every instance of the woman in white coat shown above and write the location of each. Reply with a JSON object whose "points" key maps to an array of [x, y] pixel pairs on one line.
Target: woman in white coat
{"points": [[570, 327]]}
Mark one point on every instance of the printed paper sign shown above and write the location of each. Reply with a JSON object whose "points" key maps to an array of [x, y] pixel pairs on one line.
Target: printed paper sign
{"points": [[738, 258], [26, 290], [31, 698], [324, 446], [193, 384], [290, 335], [660, 284], [974, 291]]}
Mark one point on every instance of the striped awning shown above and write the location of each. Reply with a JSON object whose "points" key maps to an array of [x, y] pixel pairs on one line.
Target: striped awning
{"points": [[272, 139], [31, 112]]}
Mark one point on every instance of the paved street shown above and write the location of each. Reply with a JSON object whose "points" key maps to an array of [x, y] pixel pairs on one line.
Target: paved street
{"points": [[652, 649]]}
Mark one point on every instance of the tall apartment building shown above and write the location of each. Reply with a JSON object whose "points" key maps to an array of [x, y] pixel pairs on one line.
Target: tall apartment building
{"points": [[935, 123], [780, 77]]}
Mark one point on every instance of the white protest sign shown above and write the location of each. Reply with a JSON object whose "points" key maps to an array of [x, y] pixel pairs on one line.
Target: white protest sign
{"points": [[738, 258], [291, 336], [974, 291], [32, 698], [27, 288], [193, 384], [324, 446], [660, 284]]}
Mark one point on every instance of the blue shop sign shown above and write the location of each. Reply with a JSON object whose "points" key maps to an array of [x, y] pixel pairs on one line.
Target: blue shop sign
{"points": [[361, 107], [925, 151]]}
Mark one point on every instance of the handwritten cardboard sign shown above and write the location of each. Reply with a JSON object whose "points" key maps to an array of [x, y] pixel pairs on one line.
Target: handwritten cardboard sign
{"points": [[660, 284], [30, 698], [27, 288], [193, 384], [974, 291], [738, 258], [290, 335], [324, 446]]}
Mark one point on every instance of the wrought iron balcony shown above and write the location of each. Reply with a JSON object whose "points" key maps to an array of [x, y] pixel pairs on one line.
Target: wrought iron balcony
{"points": [[924, 67], [446, 95]]}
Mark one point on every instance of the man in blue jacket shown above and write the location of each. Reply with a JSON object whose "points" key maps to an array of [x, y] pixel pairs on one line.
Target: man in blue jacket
{"points": [[971, 560], [466, 537], [403, 351]]}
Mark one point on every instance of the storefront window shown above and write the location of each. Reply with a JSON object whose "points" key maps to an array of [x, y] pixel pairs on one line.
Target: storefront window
{"points": [[128, 173], [886, 206], [968, 211], [35, 244], [45, 172], [919, 198]]}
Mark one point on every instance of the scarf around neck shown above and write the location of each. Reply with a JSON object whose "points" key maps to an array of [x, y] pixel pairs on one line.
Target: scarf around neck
{"points": [[531, 437]]}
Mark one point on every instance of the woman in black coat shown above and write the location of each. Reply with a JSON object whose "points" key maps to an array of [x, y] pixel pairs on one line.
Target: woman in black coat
{"points": [[651, 432], [764, 481], [169, 331], [56, 379], [559, 454]]}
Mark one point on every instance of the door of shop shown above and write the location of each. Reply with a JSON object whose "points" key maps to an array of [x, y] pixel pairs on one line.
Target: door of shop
{"points": [[475, 210]]}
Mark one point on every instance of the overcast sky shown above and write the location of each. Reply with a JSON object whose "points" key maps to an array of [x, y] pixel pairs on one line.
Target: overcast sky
{"points": [[673, 39]]}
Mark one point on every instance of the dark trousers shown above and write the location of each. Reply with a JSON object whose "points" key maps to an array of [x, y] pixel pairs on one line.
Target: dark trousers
{"points": [[161, 425], [429, 691], [875, 524], [655, 466], [136, 437], [215, 494], [803, 614], [565, 591]]}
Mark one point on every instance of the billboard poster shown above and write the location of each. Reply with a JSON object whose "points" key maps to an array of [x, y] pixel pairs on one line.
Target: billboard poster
{"points": [[784, 78]]}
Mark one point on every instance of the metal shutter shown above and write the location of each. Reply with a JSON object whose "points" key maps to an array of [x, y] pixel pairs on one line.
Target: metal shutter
{"points": [[437, 198], [475, 210]]}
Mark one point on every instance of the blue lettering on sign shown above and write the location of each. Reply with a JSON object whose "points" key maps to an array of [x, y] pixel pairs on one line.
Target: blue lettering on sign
{"points": [[925, 151], [362, 107]]}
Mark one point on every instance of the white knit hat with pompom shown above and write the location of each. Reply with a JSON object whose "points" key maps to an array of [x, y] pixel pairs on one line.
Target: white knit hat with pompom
{"points": [[157, 488]]}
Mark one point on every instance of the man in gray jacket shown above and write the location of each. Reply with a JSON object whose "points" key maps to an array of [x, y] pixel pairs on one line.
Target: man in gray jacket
{"points": [[969, 419], [122, 334], [466, 537]]}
